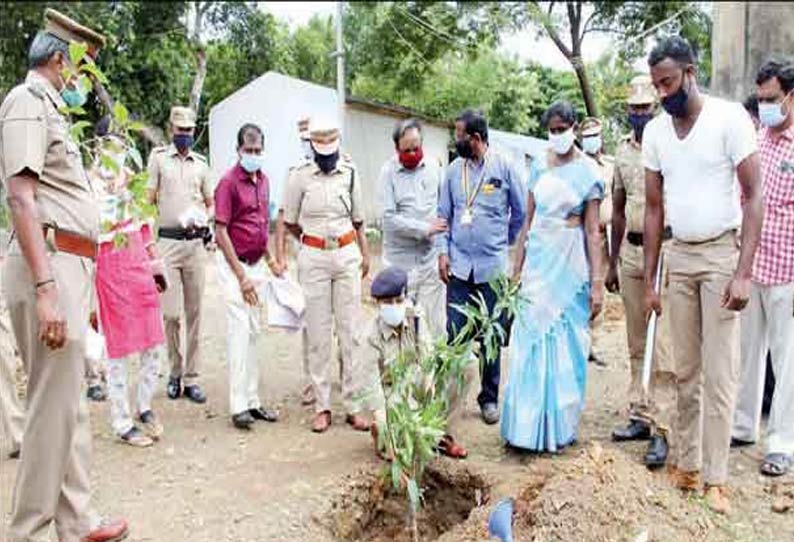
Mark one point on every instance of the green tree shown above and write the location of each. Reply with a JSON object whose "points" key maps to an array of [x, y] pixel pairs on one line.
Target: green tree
{"points": [[312, 47]]}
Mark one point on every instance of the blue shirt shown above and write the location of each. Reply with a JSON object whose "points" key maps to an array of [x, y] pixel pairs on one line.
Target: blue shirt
{"points": [[498, 212]]}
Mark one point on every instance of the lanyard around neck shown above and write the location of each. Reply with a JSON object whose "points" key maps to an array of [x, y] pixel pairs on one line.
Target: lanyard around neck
{"points": [[470, 197]]}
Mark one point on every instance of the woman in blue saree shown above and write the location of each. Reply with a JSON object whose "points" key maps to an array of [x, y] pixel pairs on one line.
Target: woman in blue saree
{"points": [[558, 264]]}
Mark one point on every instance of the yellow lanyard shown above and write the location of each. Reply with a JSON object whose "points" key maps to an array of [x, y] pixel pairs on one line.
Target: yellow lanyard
{"points": [[466, 185]]}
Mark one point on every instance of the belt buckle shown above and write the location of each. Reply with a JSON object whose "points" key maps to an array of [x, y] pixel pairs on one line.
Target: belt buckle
{"points": [[331, 243]]}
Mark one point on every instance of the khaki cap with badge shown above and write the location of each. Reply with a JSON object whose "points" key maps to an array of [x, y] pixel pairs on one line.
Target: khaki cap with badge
{"points": [[641, 91], [590, 126], [69, 30], [182, 117], [324, 136]]}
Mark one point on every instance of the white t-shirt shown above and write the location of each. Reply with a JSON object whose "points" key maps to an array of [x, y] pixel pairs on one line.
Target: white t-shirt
{"points": [[701, 193]]}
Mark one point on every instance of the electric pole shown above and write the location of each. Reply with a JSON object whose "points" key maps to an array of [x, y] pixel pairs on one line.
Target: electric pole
{"points": [[340, 66]]}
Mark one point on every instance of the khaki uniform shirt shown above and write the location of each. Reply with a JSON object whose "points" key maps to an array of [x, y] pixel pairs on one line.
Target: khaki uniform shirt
{"points": [[324, 205], [630, 177], [180, 183], [605, 166], [35, 136], [380, 344]]}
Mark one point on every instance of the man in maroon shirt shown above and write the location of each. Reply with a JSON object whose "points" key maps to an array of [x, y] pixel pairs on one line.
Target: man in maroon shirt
{"points": [[241, 230]]}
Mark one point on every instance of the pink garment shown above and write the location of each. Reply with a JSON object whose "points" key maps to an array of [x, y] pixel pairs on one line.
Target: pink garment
{"points": [[129, 305]]}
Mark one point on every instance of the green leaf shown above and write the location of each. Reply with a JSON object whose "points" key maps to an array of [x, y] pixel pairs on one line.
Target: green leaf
{"points": [[77, 52], [395, 474], [93, 69], [413, 493], [109, 163], [137, 126], [135, 156], [77, 129], [120, 113]]}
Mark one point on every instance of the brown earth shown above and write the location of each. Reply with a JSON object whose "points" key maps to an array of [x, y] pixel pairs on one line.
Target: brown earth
{"points": [[207, 482]]}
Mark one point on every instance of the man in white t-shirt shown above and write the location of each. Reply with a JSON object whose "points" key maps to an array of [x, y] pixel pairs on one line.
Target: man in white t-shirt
{"points": [[693, 154]]}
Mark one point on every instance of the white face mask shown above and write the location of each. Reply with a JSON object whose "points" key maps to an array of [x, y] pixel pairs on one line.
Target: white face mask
{"points": [[561, 143], [393, 315], [591, 144]]}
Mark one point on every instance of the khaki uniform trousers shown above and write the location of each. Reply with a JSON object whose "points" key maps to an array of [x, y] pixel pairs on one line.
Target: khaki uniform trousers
{"points": [[331, 282], [185, 262], [658, 406], [12, 416], [767, 324], [52, 483], [706, 347]]}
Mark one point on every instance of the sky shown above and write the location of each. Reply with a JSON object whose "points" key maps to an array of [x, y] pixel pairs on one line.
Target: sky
{"points": [[523, 44]]}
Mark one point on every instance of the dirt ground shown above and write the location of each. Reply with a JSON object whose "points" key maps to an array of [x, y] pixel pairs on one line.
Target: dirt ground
{"points": [[207, 482]]}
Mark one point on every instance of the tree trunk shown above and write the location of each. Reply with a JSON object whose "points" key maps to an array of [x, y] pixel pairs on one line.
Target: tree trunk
{"points": [[584, 84], [198, 80]]}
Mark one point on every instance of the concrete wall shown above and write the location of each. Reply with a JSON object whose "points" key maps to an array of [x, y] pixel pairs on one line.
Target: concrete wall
{"points": [[368, 139], [745, 35]]}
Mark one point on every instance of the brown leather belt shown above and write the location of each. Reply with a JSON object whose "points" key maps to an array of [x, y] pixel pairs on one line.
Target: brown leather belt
{"points": [[69, 242], [329, 243]]}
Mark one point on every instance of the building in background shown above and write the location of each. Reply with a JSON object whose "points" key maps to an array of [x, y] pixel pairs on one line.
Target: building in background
{"points": [[276, 102], [745, 34]]}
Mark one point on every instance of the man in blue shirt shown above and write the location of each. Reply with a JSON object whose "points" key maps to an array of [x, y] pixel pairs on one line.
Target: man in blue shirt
{"points": [[483, 199]]}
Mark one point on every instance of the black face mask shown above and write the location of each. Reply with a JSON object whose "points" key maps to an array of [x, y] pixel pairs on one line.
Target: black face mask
{"points": [[326, 162], [638, 122], [676, 104], [463, 148]]}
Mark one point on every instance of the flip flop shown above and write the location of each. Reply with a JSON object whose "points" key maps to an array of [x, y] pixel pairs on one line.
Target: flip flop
{"points": [[776, 464]]}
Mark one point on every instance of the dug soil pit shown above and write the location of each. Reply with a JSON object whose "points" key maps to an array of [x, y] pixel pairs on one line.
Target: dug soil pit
{"points": [[371, 510]]}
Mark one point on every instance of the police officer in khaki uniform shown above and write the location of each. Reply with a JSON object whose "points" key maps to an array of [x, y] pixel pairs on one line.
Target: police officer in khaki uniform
{"points": [[180, 186], [592, 144], [12, 416], [46, 284], [649, 415], [323, 208]]}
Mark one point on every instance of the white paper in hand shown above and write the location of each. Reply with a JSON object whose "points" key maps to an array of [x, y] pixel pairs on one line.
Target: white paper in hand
{"points": [[285, 304], [194, 216]]}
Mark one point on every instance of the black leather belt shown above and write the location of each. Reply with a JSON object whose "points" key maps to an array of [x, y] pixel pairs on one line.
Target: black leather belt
{"points": [[183, 234], [248, 261], [636, 238]]}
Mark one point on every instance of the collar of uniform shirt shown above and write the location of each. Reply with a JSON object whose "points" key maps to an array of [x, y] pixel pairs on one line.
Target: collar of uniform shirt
{"points": [[316, 169], [35, 79], [173, 151], [388, 331]]}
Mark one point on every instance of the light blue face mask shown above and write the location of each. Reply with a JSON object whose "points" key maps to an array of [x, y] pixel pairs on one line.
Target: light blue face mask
{"points": [[771, 115], [252, 162], [393, 314], [73, 97], [591, 144]]}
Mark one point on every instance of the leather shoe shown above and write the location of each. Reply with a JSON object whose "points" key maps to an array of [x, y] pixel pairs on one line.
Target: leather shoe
{"points": [[450, 448], [96, 394], [243, 420], [108, 532], [358, 423], [264, 415], [322, 421], [174, 388], [635, 430], [739, 443], [490, 413], [656, 456], [14, 454], [194, 393]]}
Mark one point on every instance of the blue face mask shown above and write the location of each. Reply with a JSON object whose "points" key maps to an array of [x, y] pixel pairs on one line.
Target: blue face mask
{"points": [[183, 141], [73, 97], [771, 115], [252, 162], [591, 144], [637, 121]]}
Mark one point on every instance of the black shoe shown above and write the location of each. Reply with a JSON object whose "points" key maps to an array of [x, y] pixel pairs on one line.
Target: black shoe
{"points": [[490, 413], [635, 430], [194, 393], [595, 360], [264, 414], [739, 443], [174, 388], [656, 456], [243, 420], [96, 394], [14, 455]]}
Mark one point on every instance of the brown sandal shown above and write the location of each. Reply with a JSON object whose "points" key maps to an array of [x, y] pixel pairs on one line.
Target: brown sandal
{"points": [[322, 421]]}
